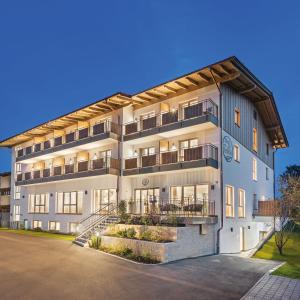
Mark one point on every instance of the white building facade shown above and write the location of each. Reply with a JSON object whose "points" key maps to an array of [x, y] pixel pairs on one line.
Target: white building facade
{"points": [[200, 147]]}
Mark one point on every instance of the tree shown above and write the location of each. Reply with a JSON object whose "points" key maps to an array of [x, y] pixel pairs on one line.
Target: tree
{"points": [[287, 209]]}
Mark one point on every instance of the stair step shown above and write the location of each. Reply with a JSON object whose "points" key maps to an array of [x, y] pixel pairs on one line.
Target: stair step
{"points": [[81, 244]]}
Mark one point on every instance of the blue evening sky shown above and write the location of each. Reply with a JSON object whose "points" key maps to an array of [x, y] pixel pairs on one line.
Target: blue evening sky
{"points": [[56, 56]]}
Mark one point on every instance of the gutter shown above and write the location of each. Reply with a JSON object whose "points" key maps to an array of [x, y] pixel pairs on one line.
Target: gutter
{"points": [[221, 164]]}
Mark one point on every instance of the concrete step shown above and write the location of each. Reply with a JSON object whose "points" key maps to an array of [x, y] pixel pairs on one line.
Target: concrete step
{"points": [[81, 243]]}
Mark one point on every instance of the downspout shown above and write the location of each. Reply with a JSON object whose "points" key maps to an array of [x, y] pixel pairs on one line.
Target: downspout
{"points": [[221, 162], [274, 177]]}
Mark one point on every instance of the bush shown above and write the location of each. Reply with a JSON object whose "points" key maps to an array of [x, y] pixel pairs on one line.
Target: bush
{"points": [[95, 242], [146, 235], [38, 229], [127, 233]]}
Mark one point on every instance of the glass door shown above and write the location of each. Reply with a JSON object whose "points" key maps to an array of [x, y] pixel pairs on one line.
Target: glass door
{"points": [[146, 200], [102, 198]]}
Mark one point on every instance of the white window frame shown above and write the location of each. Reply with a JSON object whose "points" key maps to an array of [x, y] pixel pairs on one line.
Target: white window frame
{"points": [[54, 226], [254, 139], [236, 153], [229, 205], [16, 212], [237, 117], [65, 202], [242, 204], [17, 192], [37, 224], [254, 169]]}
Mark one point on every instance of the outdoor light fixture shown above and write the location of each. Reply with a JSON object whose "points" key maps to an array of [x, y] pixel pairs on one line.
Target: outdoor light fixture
{"points": [[97, 233], [95, 156], [135, 153], [70, 161], [173, 110], [173, 147]]}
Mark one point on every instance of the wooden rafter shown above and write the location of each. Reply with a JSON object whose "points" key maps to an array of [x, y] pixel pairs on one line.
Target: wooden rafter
{"points": [[247, 89], [204, 77], [182, 85], [192, 81], [151, 94], [170, 89]]}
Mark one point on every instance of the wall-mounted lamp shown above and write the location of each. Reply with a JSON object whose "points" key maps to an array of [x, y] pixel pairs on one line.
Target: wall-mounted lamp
{"points": [[135, 153], [86, 192], [70, 161], [95, 156], [173, 148], [173, 110]]}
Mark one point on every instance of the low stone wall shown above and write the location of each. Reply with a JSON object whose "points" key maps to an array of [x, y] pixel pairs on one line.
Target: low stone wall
{"points": [[187, 242]]}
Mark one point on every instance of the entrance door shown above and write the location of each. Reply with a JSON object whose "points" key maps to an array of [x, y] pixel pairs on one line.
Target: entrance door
{"points": [[102, 198], [242, 239], [146, 200]]}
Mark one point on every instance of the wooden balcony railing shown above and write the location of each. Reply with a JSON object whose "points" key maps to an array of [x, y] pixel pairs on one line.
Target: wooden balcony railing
{"points": [[82, 166], [97, 129], [203, 107], [206, 151]]}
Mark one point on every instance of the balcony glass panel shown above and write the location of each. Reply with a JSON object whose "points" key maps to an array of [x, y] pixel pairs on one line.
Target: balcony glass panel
{"points": [[36, 174], [131, 163], [37, 147], [149, 123], [193, 111], [149, 160], [27, 175], [20, 153], [19, 177], [169, 157]]}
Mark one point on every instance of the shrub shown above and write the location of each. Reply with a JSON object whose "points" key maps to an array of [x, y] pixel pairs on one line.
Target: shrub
{"points": [[127, 233], [38, 229], [95, 242], [146, 235]]}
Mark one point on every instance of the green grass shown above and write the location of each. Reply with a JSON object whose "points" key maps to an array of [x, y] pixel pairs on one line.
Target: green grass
{"points": [[291, 254], [49, 235]]}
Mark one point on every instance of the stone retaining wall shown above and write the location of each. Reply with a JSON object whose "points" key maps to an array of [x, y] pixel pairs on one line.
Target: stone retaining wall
{"points": [[187, 242]]}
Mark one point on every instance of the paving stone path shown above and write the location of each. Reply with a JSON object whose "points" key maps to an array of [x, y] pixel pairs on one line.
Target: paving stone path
{"points": [[275, 288]]}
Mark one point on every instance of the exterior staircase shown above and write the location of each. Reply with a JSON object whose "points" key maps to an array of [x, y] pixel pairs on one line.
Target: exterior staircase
{"points": [[96, 223]]}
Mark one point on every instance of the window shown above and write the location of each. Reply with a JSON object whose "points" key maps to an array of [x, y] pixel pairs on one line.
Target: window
{"points": [[16, 213], [254, 140], [255, 202], [73, 227], [237, 117], [69, 202], [267, 173], [102, 198], [17, 192], [254, 169], [229, 201], [54, 226], [241, 207], [236, 153], [148, 151], [38, 203], [37, 224], [267, 149]]}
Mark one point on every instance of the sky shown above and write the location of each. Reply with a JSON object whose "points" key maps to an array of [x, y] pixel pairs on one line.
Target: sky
{"points": [[56, 56]]}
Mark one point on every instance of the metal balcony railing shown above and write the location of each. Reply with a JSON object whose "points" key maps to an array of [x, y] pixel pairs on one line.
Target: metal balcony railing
{"points": [[186, 206], [76, 135], [77, 167], [204, 107], [205, 151]]}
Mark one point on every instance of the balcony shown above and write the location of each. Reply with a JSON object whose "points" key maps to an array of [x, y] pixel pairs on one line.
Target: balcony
{"points": [[200, 156], [101, 166], [107, 131], [185, 207], [203, 114]]}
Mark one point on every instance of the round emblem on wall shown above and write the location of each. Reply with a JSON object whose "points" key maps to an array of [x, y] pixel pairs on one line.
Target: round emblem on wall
{"points": [[227, 148], [145, 181]]}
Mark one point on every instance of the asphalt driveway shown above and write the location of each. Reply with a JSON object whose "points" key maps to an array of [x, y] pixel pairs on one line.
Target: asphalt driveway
{"points": [[40, 268]]}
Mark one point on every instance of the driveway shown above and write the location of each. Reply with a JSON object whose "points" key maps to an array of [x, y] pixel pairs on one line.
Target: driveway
{"points": [[40, 268]]}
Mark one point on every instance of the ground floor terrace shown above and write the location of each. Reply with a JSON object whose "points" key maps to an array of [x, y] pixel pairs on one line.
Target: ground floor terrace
{"points": [[53, 269]]}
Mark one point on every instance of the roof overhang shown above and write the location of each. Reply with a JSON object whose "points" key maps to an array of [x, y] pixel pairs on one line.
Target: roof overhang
{"points": [[230, 71]]}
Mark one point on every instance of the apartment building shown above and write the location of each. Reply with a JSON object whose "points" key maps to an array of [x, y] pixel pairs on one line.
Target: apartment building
{"points": [[4, 199], [200, 146]]}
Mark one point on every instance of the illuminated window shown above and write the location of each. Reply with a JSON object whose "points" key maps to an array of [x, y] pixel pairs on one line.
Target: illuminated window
{"points": [[69, 202], [254, 169], [237, 117], [16, 213], [37, 224], [241, 207], [17, 192], [54, 226], [236, 153], [38, 203], [73, 227], [229, 201], [254, 140]]}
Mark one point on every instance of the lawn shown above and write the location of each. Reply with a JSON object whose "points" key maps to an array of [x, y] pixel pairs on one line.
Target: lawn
{"points": [[291, 254], [57, 236]]}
